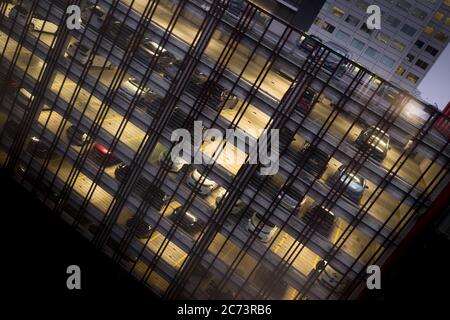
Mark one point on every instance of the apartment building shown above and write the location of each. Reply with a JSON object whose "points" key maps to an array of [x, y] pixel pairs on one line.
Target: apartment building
{"points": [[87, 116], [412, 36]]}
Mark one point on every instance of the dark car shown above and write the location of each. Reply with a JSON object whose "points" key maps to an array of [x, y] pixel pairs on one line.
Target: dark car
{"points": [[122, 171], [118, 32], [100, 152], [187, 221], [306, 100], [320, 219], [143, 229], [178, 118], [316, 160], [375, 140], [152, 103], [149, 49], [199, 83], [333, 59], [285, 137], [76, 135], [290, 198], [355, 184], [11, 128], [307, 43], [153, 195], [40, 149]]}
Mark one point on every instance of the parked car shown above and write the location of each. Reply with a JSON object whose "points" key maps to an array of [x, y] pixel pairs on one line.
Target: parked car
{"points": [[82, 55], [118, 32], [285, 138], [307, 43], [40, 149], [76, 136], [333, 59], [306, 100], [205, 185], [131, 87], [94, 16], [376, 140], [238, 207], [228, 101], [172, 165], [122, 171], [152, 194], [290, 198], [20, 14], [265, 231], [316, 160], [354, 182], [186, 220], [100, 152], [199, 85], [329, 277], [149, 49], [321, 219], [143, 229]]}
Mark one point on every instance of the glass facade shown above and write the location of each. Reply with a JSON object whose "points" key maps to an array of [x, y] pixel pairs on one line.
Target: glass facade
{"points": [[88, 114]]}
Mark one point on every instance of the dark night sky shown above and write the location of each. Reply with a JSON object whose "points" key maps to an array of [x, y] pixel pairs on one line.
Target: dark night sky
{"points": [[435, 87]]}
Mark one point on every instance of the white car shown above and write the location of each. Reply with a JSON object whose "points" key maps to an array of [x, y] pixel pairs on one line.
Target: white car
{"points": [[131, 88], [174, 165], [266, 229], [238, 207], [19, 14], [329, 277], [204, 188], [94, 16]]}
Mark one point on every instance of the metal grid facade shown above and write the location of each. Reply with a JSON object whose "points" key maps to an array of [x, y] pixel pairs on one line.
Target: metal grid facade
{"points": [[97, 155]]}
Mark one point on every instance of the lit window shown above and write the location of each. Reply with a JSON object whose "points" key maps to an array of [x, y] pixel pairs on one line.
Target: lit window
{"points": [[419, 13], [407, 29], [397, 45], [387, 61], [400, 71], [447, 2], [352, 20], [447, 21], [343, 36], [410, 57], [317, 21], [361, 4], [412, 77], [393, 21], [371, 52], [419, 44], [328, 27], [421, 64], [357, 44], [383, 37], [441, 37], [404, 5], [337, 12], [428, 29], [438, 16], [431, 50]]}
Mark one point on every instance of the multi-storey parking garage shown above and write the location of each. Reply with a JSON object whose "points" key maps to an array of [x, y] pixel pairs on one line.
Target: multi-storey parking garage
{"points": [[86, 121]]}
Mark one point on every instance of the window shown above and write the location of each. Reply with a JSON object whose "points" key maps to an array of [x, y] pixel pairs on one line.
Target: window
{"points": [[447, 2], [419, 13], [337, 12], [404, 5], [428, 29], [328, 27], [441, 37], [393, 21], [383, 37], [352, 20], [317, 21], [421, 64], [438, 16], [365, 29], [361, 4], [400, 71], [410, 57], [357, 44], [412, 77], [407, 29], [447, 21], [397, 45], [371, 52], [341, 35], [431, 50], [387, 61], [419, 44]]}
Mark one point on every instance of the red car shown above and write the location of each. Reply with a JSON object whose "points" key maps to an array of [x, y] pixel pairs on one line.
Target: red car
{"points": [[100, 152], [306, 100]]}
